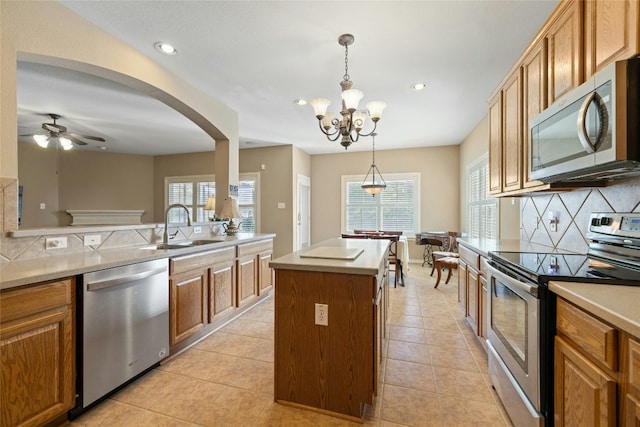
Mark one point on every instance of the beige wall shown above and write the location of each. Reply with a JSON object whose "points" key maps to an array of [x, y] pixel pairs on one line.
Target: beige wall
{"points": [[64, 39], [439, 187], [475, 146], [39, 179]]}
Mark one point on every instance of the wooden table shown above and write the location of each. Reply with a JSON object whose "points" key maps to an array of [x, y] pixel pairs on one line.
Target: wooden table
{"points": [[429, 239]]}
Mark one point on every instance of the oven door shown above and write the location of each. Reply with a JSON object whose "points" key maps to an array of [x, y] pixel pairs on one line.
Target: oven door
{"points": [[514, 329]]}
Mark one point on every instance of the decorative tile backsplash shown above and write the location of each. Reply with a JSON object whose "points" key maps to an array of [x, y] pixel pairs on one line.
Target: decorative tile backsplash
{"points": [[573, 209]]}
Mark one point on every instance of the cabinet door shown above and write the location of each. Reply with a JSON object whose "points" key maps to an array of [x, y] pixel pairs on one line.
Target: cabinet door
{"points": [[247, 279], [462, 285], [495, 144], [565, 50], [222, 289], [37, 355], [472, 298], [584, 394], [512, 133], [611, 32], [265, 273], [482, 322], [631, 379], [534, 100], [188, 304]]}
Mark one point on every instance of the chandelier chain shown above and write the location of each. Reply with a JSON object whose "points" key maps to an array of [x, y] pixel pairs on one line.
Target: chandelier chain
{"points": [[346, 76]]}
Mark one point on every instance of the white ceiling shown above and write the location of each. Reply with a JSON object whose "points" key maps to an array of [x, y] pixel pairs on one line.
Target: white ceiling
{"points": [[258, 56]]}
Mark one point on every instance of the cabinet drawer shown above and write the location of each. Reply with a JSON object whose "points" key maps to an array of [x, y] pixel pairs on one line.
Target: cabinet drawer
{"points": [[470, 257], [591, 335], [36, 299], [200, 260], [255, 247]]}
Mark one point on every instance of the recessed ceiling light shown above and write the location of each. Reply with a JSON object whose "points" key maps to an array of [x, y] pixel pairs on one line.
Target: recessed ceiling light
{"points": [[300, 102], [165, 48], [419, 86], [102, 147]]}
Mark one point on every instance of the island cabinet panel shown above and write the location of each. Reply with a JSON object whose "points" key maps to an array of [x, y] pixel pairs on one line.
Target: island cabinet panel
{"points": [[331, 367], [37, 354]]}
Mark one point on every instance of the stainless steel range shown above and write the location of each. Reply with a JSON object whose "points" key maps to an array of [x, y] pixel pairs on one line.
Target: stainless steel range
{"points": [[521, 310]]}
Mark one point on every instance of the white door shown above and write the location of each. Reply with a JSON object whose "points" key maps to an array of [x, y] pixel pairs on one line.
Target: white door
{"points": [[304, 212]]}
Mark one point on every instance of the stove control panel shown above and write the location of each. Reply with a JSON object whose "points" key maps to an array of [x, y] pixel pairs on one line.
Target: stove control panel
{"points": [[615, 224]]}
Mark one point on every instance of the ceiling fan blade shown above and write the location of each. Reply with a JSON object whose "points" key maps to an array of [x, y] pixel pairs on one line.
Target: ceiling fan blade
{"points": [[30, 134], [75, 140], [53, 127], [78, 135]]}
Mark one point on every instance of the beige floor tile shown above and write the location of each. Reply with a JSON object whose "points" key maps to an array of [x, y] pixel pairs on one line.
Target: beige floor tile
{"points": [[410, 407], [238, 345], [444, 323], [446, 339], [462, 384], [406, 320], [454, 358], [251, 328], [275, 414], [458, 412], [410, 374], [407, 351], [233, 408], [403, 333]]}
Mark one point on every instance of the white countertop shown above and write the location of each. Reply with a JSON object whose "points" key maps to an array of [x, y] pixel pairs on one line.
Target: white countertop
{"points": [[29, 271], [484, 246], [615, 304], [368, 262]]}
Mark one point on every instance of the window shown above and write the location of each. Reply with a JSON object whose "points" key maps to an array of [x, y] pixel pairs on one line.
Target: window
{"points": [[482, 210], [193, 192], [396, 208]]}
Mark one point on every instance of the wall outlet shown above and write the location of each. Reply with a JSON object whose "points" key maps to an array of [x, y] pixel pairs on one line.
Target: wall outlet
{"points": [[536, 222], [92, 240], [322, 314], [55, 243], [197, 230]]}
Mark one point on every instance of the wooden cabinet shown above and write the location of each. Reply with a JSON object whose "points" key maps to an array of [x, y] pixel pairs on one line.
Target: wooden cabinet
{"points": [[610, 32], [482, 325], [222, 288], [188, 298], [631, 384], [587, 354], [37, 353], [512, 132], [564, 38], [495, 144], [584, 393], [534, 101], [472, 286], [255, 277]]}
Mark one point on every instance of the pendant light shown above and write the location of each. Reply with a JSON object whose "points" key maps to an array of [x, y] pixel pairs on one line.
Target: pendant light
{"points": [[374, 187]]}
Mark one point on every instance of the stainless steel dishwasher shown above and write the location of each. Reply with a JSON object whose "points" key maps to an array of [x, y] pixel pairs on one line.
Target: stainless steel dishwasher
{"points": [[124, 329]]}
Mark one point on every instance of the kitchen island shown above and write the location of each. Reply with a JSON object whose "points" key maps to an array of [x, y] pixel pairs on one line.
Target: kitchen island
{"points": [[330, 325]]}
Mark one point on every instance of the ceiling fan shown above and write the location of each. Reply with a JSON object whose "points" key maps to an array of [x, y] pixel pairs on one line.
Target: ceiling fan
{"points": [[54, 131]]}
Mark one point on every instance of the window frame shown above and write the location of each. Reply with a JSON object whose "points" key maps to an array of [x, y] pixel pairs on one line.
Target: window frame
{"points": [[388, 177], [481, 162]]}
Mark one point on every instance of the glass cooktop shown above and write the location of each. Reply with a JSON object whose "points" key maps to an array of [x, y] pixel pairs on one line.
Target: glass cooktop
{"points": [[542, 267]]}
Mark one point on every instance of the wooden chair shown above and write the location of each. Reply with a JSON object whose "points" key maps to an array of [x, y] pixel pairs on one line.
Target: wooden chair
{"points": [[450, 263], [449, 252], [393, 256]]}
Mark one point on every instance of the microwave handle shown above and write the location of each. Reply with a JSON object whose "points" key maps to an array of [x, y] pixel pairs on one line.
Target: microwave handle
{"points": [[589, 146]]}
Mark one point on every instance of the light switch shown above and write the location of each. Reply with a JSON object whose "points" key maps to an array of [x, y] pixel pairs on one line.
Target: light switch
{"points": [[281, 205], [42, 206]]}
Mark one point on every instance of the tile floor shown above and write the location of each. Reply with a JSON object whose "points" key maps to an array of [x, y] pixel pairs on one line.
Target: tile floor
{"points": [[435, 374]]}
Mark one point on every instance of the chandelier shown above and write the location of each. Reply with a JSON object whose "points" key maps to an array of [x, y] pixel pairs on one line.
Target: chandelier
{"points": [[374, 188], [352, 122]]}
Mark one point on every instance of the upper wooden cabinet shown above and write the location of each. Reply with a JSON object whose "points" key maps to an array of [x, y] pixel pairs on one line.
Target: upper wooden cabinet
{"points": [[495, 144], [564, 38], [611, 32], [579, 38]]}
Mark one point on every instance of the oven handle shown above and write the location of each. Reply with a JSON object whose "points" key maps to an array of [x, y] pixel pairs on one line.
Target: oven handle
{"points": [[511, 281]]}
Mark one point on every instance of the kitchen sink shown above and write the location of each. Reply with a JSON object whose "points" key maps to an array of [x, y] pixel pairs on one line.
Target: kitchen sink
{"points": [[184, 244]]}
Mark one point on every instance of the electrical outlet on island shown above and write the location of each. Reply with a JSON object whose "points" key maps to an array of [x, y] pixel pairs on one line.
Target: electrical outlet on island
{"points": [[322, 314]]}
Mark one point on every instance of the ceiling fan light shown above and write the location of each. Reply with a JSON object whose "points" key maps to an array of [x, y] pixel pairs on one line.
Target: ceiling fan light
{"points": [[66, 143], [326, 120], [351, 98], [359, 119], [320, 106], [42, 140], [375, 109]]}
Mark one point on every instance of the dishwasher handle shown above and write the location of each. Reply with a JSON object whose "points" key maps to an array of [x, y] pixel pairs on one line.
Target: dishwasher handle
{"points": [[110, 283]]}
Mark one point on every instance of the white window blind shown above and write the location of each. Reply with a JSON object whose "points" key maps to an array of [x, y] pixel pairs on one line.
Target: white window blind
{"points": [[193, 192], [395, 209], [482, 210]]}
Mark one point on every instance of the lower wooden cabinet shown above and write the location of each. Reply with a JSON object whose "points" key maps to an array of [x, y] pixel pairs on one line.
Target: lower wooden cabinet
{"points": [[37, 353], [462, 285], [631, 382], [222, 288], [584, 393], [188, 302], [472, 289], [473, 298], [265, 273], [247, 278]]}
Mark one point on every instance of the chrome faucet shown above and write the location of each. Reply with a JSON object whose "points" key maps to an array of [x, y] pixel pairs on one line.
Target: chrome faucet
{"points": [[165, 236]]}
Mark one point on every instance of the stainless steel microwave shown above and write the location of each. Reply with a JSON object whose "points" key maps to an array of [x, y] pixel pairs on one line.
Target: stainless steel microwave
{"points": [[592, 133]]}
